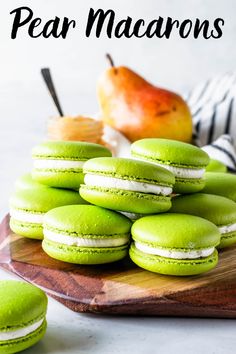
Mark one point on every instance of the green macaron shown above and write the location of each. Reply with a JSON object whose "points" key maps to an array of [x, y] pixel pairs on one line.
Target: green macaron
{"points": [[23, 310], [28, 206], [174, 244], [127, 185], [219, 210], [216, 166], [223, 184], [86, 234], [26, 182], [60, 163], [185, 161]]}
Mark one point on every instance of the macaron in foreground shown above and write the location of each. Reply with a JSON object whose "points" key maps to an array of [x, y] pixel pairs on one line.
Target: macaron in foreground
{"points": [[60, 163], [187, 162], [127, 185], [23, 310], [219, 210], [86, 234], [174, 244], [28, 207]]}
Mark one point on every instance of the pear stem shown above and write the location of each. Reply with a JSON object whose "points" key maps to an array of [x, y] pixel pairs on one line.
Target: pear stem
{"points": [[109, 58]]}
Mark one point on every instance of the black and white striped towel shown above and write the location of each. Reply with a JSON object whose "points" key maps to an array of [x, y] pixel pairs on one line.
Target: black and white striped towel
{"points": [[213, 107]]}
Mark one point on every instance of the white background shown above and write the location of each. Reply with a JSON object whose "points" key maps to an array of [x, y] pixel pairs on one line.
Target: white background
{"points": [[76, 63]]}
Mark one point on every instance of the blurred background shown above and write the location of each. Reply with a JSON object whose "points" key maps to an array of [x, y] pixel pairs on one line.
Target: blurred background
{"points": [[77, 61]]}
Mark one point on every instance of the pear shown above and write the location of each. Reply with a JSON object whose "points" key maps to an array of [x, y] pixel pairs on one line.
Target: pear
{"points": [[140, 110]]}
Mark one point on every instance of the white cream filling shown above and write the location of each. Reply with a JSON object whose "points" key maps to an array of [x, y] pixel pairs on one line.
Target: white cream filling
{"points": [[57, 164], [117, 183], [180, 171], [85, 242], [22, 332], [184, 172], [26, 216], [227, 228], [190, 254]]}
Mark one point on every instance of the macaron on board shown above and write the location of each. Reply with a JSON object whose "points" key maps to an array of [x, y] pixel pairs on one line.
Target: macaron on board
{"points": [[122, 287]]}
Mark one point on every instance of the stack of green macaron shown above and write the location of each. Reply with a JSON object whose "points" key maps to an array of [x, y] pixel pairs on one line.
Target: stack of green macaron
{"points": [[54, 182], [85, 205], [47, 205], [202, 190]]}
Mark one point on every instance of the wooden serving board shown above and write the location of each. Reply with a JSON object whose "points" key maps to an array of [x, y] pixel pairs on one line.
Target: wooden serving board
{"points": [[122, 287]]}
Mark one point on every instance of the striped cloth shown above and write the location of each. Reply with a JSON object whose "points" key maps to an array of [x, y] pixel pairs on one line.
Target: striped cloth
{"points": [[213, 107]]}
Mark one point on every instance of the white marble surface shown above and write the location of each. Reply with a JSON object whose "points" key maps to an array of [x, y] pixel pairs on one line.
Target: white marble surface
{"points": [[76, 61], [72, 333]]}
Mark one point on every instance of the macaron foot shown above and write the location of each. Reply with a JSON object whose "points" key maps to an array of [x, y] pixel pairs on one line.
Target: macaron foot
{"points": [[19, 344], [30, 230], [227, 240], [84, 255], [127, 201], [170, 266]]}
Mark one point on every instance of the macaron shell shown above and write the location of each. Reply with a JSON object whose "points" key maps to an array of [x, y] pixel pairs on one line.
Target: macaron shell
{"points": [[129, 169], [172, 152], [84, 255], [171, 266], [216, 166], [70, 150], [19, 344], [21, 304], [219, 210], [176, 231], [88, 220], [122, 200], [219, 183], [44, 199], [59, 178], [26, 229], [188, 185]]}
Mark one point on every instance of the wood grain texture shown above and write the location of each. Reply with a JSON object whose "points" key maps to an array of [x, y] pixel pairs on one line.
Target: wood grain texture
{"points": [[122, 288]]}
